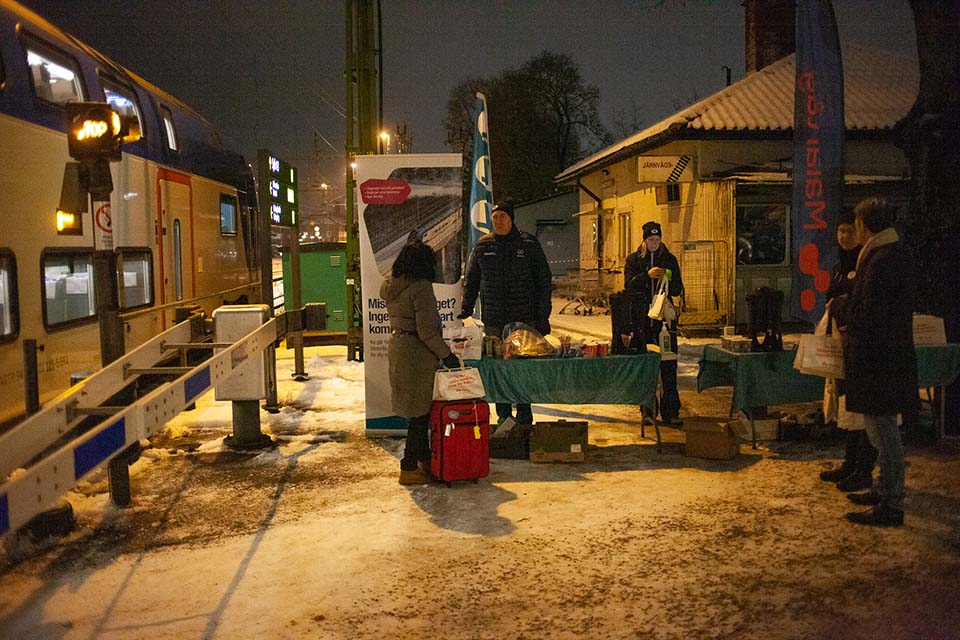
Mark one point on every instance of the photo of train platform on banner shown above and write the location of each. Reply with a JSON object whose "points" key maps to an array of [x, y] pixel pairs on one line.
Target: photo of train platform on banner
{"points": [[620, 379], [765, 379]]}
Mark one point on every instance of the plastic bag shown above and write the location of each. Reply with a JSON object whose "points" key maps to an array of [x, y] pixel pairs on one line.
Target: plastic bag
{"points": [[521, 339]]}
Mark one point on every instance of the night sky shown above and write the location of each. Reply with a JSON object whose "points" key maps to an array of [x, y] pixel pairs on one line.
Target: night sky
{"points": [[270, 73]]}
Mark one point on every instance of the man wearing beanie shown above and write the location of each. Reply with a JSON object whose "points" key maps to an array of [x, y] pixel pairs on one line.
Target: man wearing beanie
{"points": [[509, 272], [642, 272]]}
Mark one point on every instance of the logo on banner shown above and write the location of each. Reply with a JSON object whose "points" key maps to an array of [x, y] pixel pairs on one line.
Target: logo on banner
{"points": [[377, 191]]}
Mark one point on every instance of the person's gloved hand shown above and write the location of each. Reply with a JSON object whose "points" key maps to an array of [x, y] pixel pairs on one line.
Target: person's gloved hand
{"points": [[451, 361], [463, 315]]}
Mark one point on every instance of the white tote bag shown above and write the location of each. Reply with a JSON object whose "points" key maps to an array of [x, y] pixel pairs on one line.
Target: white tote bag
{"points": [[821, 354], [661, 302], [462, 383]]}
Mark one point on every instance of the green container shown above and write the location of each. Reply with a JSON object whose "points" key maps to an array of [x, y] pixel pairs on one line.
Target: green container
{"points": [[323, 274]]}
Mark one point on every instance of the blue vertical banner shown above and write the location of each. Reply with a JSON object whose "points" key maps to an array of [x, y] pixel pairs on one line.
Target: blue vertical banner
{"points": [[481, 180], [818, 128]]}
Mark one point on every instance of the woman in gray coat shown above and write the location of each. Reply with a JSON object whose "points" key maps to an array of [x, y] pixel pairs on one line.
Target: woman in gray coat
{"points": [[415, 349]]}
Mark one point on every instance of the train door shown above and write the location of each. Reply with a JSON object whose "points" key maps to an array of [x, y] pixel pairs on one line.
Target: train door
{"points": [[175, 237]]}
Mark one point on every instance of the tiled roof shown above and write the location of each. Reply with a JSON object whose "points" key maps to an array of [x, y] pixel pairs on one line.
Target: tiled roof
{"points": [[879, 89]]}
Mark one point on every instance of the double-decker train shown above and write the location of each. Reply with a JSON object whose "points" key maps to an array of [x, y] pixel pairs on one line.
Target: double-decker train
{"points": [[182, 214]]}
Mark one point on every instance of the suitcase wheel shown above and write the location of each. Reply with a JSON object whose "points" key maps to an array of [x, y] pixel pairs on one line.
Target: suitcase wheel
{"points": [[476, 480], [449, 485]]}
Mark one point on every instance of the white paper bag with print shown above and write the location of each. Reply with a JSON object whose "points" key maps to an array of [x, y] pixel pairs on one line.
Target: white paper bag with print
{"points": [[820, 354], [465, 341], [463, 383]]}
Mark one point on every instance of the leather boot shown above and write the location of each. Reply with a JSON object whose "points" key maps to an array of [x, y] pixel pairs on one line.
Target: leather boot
{"points": [[882, 515], [416, 476], [856, 481]]}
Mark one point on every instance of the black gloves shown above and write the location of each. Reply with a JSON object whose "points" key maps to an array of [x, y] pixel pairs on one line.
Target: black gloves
{"points": [[451, 361], [463, 315]]}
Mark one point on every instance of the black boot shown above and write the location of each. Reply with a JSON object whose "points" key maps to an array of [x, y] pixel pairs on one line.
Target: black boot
{"points": [[850, 457], [882, 515], [856, 481]]}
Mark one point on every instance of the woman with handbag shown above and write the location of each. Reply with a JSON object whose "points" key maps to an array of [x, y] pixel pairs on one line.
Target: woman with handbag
{"points": [[856, 470], [416, 346], [645, 271]]}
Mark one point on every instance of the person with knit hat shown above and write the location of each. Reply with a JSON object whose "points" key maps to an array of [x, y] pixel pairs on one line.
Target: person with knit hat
{"points": [[642, 273], [509, 272]]}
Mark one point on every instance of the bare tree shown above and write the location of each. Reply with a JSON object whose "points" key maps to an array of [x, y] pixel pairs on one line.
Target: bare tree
{"points": [[542, 118]]}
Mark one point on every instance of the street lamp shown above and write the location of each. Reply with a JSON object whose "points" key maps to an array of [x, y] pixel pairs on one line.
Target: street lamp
{"points": [[384, 142]]}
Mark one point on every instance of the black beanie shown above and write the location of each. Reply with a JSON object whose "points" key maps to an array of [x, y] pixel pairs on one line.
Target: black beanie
{"points": [[651, 228], [506, 206]]}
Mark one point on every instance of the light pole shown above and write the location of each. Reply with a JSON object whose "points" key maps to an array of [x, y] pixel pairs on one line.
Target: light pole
{"points": [[384, 142]]}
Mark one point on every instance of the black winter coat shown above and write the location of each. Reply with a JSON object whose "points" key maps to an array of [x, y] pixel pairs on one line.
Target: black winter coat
{"points": [[876, 322], [841, 281], [635, 276], [512, 278]]}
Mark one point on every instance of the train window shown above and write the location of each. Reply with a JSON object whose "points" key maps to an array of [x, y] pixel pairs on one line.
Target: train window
{"points": [[55, 78], [135, 275], [168, 129], [228, 215], [68, 286], [123, 102], [9, 304]]}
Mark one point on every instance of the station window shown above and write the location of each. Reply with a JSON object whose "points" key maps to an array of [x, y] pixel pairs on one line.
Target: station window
{"points": [[228, 215], [135, 274], [68, 286], [761, 234], [55, 78], [169, 131], [123, 102], [9, 303]]}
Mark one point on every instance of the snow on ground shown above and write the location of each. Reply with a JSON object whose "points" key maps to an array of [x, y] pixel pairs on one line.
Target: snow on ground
{"points": [[315, 538]]}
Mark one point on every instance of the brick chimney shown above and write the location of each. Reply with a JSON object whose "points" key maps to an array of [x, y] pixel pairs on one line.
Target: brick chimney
{"points": [[770, 32]]}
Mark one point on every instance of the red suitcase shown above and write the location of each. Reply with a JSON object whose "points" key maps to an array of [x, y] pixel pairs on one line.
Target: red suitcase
{"points": [[459, 440]]}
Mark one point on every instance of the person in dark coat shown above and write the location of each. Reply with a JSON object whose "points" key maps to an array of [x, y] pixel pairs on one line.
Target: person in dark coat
{"points": [[416, 347], [509, 272], [856, 470], [880, 365], [642, 273]]}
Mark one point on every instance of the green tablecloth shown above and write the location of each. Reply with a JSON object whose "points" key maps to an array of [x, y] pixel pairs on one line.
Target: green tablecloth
{"points": [[763, 379], [937, 364], [758, 379], [607, 380]]}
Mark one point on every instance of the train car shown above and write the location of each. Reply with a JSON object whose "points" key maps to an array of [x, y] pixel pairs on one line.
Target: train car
{"points": [[182, 214]]}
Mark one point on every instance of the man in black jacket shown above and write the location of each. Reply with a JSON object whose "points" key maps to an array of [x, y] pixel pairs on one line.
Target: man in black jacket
{"points": [[509, 272], [643, 271]]}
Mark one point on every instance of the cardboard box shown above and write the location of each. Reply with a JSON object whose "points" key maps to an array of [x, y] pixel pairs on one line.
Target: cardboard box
{"points": [[559, 441], [710, 437]]}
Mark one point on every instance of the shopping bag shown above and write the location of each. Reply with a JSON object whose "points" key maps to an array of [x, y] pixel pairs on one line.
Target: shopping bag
{"points": [[660, 302], [821, 354], [848, 420], [462, 383], [465, 341]]}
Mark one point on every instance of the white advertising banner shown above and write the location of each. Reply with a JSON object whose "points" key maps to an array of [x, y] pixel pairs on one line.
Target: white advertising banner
{"points": [[399, 196]]}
